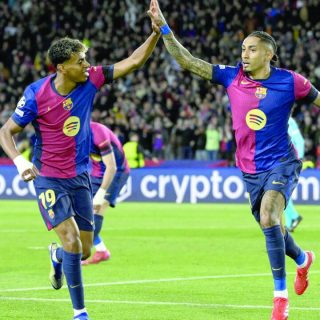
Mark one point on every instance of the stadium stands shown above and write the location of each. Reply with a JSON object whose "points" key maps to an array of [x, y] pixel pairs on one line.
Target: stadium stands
{"points": [[166, 106]]}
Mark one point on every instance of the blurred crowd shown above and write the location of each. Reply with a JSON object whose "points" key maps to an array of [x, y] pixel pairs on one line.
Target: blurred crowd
{"points": [[177, 115]]}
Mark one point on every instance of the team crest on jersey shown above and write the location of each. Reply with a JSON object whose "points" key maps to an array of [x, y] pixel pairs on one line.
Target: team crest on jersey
{"points": [[256, 119], [51, 213], [71, 126], [67, 104], [261, 93]]}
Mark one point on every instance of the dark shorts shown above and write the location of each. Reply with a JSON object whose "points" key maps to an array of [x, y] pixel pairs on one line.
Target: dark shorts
{"points": [[283, 178], [60, 199], [119, 180]]}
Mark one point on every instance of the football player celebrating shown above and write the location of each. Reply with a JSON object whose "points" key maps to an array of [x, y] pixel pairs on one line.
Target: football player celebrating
{"points": [[59, 107], [261, 98]]}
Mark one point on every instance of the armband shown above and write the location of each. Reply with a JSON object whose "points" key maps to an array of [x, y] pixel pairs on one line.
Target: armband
{"points": [[165, 30]]}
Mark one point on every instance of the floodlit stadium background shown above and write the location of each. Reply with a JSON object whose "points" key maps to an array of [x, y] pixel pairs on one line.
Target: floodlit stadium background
{"points": [[190, 260]]}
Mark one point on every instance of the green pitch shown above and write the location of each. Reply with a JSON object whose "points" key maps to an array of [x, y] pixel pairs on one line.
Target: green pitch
{"points": [[169, 262]]}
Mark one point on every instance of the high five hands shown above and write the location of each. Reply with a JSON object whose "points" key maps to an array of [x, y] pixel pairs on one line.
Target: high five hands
{"points": [[156, 15]]}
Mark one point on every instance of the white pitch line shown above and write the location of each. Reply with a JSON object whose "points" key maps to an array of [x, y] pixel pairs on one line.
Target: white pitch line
{"points": [[130, 282], [161, 303]]}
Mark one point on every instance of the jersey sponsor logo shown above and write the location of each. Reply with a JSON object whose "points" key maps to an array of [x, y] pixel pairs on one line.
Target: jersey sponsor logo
{"points": [[256, 119], [261, 93], [95, 157], [67, 104], [71, 126], [21, 102]]}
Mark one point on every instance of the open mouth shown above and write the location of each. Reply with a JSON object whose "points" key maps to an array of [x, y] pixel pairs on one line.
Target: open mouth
{"points": [[86, 72]]}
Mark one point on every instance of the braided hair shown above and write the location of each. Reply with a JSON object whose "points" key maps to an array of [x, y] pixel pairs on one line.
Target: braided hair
{"points": [[265, 37]]}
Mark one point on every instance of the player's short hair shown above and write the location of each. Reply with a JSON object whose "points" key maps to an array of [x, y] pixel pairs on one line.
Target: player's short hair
{"points": [[265, 37], [62, 49]]}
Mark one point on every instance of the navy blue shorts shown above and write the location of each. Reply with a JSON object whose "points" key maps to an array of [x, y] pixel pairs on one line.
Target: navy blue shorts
{"points": [[283, 178], [60, 199], [119, 180]]}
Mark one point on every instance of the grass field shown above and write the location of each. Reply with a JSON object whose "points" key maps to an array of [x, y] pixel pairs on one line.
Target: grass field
{"points": [[169, 262]]}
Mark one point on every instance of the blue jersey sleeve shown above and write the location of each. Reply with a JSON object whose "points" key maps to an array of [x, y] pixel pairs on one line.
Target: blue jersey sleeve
{"points": [[26, 110], [223, 75]]}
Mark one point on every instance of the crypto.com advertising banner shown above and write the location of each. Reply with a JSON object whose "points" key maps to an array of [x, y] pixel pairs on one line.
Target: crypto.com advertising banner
{"points": [[175, 185]]}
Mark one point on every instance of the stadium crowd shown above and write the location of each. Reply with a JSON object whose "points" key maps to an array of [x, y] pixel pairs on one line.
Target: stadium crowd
{"points": [[176, 115]]}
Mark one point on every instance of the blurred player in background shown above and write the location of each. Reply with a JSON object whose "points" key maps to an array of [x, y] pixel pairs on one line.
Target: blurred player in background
{"points": [[292, 216], [59, 107], [109, 174], [261, 99]]}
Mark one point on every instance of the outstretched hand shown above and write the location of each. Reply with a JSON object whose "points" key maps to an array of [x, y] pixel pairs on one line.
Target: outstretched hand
{"points": [[156, 15], [155, 28]]}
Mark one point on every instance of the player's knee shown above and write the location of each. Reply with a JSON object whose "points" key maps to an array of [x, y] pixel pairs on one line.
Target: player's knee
{"points": [[72, 243], [269, 217], [266, 222]]}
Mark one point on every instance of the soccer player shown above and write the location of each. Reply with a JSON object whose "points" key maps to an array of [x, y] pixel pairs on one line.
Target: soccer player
{"points": [[59, 107], [292, 216], [261, 97], [109, 173]]}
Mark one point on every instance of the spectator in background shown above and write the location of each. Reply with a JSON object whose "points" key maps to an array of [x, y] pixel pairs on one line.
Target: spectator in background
{"points": [[134, 152], [26, 32], [158, 145], [176, 140], [213, 138], [200, 142], [187, 139]]}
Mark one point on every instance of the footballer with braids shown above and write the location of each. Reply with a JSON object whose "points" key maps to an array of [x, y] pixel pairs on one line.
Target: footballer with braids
{"points": [[261, 99]]}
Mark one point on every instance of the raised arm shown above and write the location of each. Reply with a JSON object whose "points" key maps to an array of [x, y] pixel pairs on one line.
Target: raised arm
{"points": [[185, 59], [137, 58]]}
